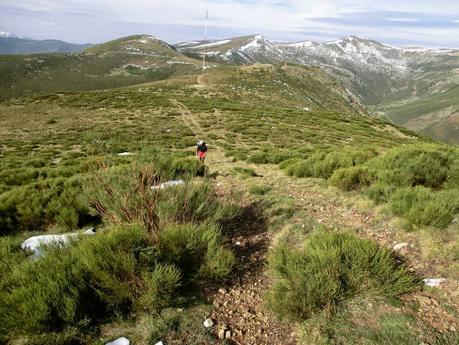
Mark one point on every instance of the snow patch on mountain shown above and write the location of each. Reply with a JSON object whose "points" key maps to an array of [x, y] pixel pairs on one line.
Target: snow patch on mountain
{"points": [[213, 44], [4, 34]]}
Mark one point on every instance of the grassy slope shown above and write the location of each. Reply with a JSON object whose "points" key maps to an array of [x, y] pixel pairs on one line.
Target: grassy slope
{"points": [[435, 115], [116, 63], [233, 109]]}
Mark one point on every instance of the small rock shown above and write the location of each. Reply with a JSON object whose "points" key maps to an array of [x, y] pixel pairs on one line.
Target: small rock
{"points": [[208, 323], [221, 333], [228, 334], [399, 246], [120, 341], [424, 300], [222, 291], [432, 282], [159, 343]]}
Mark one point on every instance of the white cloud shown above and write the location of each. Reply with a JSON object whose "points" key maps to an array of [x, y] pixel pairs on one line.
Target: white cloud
{"points": [[47, 23], [403, 20], [288, 19]]}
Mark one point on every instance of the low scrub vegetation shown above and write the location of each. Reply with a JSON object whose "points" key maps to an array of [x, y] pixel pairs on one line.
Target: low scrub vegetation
{"points": [[329, 269], [420, 183], [156, 244]]}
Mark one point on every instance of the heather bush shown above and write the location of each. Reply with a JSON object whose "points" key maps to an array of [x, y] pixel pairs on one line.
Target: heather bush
{"points": [[330, 268]]}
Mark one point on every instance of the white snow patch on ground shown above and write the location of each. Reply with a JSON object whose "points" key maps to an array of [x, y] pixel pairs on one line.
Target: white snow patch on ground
{"points": [[432, 282], [119, 341], [179, 63], [35, 244], [399, 246], [135, 66], [169, 184], [124, 154]]}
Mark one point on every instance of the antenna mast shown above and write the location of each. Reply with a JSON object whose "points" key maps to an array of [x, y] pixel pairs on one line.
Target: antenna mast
{"points": [[205, 37]]}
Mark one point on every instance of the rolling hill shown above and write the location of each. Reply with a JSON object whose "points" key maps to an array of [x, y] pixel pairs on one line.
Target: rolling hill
{"points": [[413, 87], [126, 61], [11, 44]]}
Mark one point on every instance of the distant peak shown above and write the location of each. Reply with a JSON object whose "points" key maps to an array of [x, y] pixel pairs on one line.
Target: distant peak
{"points": [[5, 34], [259, 38], [150, 37], [349, 39]]}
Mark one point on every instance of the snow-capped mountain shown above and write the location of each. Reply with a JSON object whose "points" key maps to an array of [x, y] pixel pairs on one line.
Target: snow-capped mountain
{"points": [[372, 69], [240, 50], [384, 77]]}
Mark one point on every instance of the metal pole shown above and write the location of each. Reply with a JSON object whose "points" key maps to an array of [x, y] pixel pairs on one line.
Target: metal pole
{"points": [[205, 37]]}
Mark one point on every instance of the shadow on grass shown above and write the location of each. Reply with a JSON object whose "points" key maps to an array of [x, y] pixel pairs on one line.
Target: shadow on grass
{"points": [[248, 236]]}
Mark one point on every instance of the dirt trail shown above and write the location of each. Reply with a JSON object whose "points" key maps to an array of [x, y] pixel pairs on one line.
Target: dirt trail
{"points": [[239, 306]]}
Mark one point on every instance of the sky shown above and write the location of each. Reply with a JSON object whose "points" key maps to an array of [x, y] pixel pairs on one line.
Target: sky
{"points": [[428, 23]]}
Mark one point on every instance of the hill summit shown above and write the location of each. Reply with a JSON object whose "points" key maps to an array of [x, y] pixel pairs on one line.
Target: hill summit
{"points": [[137, 44]]}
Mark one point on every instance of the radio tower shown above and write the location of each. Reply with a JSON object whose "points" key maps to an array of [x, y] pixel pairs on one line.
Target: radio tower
{"points": [[205, 37]]}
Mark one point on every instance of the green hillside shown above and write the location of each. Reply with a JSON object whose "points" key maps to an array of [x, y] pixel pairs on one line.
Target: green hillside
{"points": [[116, 63], [286, 235], [436, 115]]}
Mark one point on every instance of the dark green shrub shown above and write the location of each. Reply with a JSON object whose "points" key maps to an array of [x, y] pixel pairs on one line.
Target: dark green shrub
{"points": [[425, 165], [37, 205], [287, 163], [259, 158], [259, 189], [20, 177], [352, 178], [380, 192], [35, 163], [160, 286], [245, 171], [359, 327], [330, 268], [68, 336], [193, 202], [87, 281], [419, 182], [197, 250], [187, 167], [420, 206], [170, 166], [324, 164]]}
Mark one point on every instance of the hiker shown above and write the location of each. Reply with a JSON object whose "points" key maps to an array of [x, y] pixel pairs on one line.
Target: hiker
{"points": [[201, 149]]}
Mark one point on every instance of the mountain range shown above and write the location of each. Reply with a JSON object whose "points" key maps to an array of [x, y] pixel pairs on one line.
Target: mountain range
{"points": [[414, 87], [12, 44]]}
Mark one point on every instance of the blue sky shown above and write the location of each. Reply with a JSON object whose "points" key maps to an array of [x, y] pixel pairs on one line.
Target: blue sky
{"points": [[432, 23]]}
